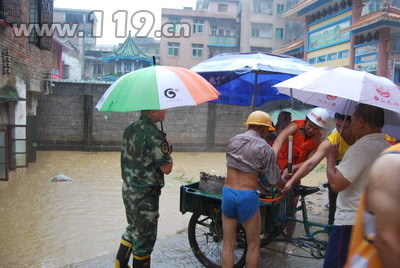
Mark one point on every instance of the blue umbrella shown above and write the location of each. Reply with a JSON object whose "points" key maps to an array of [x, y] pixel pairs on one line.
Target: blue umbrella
{"points": [[247, 78]]}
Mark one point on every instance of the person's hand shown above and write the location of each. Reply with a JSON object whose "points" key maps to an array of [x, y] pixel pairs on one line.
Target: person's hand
{"points": [[332, 151], [284, 173], [281, 183], [287, 187]]}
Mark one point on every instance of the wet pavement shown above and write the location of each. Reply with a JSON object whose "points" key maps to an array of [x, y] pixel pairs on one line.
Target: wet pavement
{"points": [[174, 251]]}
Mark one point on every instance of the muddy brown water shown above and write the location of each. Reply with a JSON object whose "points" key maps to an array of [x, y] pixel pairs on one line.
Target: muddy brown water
{"points": [[52, 224]]}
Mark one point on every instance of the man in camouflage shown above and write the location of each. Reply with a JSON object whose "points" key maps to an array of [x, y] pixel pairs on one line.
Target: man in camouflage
{"points": [[145, 158]]}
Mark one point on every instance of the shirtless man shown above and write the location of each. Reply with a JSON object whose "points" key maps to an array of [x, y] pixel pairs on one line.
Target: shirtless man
{"points": [[248, 156]]}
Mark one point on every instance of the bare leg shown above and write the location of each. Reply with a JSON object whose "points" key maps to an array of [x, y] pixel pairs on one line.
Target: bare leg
{"points": [[229, 227], [253, 231]]}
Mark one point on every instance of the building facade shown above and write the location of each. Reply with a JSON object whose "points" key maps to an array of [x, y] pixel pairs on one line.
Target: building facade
{"points": [[261, 25], [82, 37], [192, 36], [361, 35], [24, 75]]}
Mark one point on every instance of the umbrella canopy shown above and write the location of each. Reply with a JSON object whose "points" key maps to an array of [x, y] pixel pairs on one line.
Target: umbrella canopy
{"points": [[156, 88], [341, 89], [331, 88], [247, 78]]}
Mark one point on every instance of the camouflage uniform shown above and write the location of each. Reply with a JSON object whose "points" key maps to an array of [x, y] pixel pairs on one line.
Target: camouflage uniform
{"points": [[144, 150]]}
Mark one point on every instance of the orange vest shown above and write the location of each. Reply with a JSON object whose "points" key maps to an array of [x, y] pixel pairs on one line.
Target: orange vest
{"points": [[302, 146], [362, 250]]}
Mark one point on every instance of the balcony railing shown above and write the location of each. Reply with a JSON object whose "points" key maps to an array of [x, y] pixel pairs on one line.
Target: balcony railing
{"points": [[223, 41]]}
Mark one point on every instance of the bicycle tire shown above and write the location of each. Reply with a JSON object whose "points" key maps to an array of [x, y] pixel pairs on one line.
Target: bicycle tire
{"points": [[206, 237]]}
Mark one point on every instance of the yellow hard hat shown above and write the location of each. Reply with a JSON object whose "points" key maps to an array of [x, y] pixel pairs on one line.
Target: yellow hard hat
{"points": [[260, 118]]}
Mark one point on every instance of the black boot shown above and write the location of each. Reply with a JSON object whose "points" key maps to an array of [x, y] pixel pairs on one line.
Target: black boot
{"points": [[141, 262], [123, 254]]}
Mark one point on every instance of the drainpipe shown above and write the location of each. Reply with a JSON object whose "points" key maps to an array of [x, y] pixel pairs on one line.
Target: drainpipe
{"points": [[355, 16]]}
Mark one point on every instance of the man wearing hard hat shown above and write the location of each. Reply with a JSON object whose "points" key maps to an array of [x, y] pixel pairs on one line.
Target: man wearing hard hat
{"points": [[307, 136]]}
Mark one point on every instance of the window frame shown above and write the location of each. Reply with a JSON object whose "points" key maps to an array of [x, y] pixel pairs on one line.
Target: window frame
{"points": [[12, 151], [4, 129], [198, 26], [280, 30], [257, 30], [197, 50], [222, 7], [173, 46], [280, 9]]}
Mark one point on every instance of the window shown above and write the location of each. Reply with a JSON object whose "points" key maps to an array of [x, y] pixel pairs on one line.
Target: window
{"points": [[3, 154], [261, 30], [174, 25], [41, 12], [261, 49], [173, 49], [97, 69], [73, 17], [343, 54], [332, 56], [262, 6], [321, 58], [18, 151], [396, 42], [214, 30], [222, 8], [65, 71], [280, 9], [312, 60], [197, 50], [278, 33], [198, 26]]}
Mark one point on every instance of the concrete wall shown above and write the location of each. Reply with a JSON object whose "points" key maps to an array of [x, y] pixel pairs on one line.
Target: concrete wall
{"points": [[67, 120]]}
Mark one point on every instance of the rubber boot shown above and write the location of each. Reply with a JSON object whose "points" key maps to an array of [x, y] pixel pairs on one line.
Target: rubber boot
{"points": [[123, 254], [141, 262]]}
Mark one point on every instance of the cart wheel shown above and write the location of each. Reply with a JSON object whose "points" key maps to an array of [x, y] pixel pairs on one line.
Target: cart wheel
{"points": [[205, 239]]}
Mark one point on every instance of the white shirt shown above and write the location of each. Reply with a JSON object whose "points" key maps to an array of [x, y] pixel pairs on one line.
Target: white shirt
{"points": [[355, 168]]}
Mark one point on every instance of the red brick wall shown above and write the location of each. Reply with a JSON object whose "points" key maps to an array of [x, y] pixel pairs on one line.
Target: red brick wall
{"points": [[27, 61]]}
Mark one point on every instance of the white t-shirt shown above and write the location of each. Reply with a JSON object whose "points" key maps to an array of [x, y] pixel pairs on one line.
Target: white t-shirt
{"points": [[355, 168]]}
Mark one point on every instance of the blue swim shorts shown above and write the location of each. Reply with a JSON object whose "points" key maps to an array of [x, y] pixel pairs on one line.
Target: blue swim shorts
{"points": [[239, 204]]}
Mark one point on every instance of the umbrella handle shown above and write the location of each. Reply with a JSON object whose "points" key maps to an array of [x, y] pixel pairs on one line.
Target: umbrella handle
{"points": [[162, 127]]}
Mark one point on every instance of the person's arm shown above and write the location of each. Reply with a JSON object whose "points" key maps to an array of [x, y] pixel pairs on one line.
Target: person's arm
{"points": [[283, 137], [383, 200], [308, 165], [336, 180]]}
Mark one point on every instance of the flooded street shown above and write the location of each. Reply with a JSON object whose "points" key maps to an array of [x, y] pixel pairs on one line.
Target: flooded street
{"points": [[52, 224]]}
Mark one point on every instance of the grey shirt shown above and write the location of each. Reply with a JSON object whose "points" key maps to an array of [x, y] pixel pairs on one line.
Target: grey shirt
{"points": [[249, 152]]}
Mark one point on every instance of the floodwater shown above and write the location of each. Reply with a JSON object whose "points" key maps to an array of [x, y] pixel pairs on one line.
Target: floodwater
{"points": [[51, 224]]}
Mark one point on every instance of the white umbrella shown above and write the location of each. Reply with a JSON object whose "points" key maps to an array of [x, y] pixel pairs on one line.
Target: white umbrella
{"points": [[331, 88], [340, 89]]}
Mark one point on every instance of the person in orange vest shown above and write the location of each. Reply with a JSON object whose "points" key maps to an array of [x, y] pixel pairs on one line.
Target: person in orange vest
{"points": [[307, 136], [375, 239], [344, 139]]}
